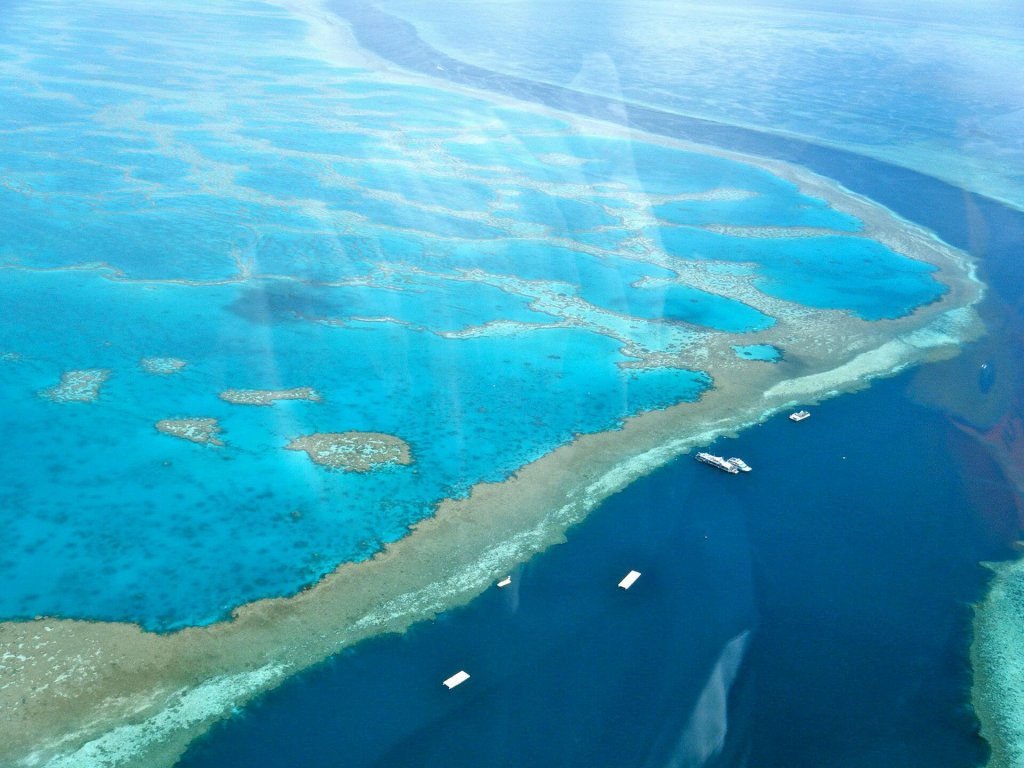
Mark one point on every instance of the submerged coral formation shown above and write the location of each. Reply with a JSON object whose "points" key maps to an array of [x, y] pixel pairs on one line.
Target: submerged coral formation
{"points": [[161, 366], [353, 451], [194, 430], [268, 396], [82, 386]]}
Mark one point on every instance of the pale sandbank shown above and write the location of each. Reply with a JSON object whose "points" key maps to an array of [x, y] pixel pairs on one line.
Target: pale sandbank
{"points": [[353, 451], [268, 396], [79, 386], [196, 430], [161, 366]]}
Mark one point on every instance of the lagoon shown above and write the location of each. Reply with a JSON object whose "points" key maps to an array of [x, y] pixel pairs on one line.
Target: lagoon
{"points": [[515, 314]]}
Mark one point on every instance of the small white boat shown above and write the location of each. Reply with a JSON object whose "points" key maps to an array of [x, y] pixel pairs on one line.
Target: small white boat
{"points": [[799, 415], [504, 582], [457, 679], [630, 579], [740, 464]]}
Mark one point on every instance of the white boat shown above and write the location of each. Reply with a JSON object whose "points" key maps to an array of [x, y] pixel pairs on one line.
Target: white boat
{"points": [[630, 579], [504, 582], [718, 462], [457, 679], [799, 415], [740, 464]]}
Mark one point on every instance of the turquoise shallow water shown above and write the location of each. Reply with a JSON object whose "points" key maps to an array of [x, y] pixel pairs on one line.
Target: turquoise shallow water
{"points": [[113, 520], [765, 352], [762, 211], [461, 275], [827, 272]]}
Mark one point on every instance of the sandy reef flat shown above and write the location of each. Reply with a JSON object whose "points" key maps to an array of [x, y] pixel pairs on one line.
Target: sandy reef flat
{"points": [[200, 430], [998, 665], [161, 366], [268, 396], [81, 386], [353, 451]]}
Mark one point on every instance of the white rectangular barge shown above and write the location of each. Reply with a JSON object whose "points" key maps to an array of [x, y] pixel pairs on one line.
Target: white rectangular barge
{"points": [[630, 579], [457, 679]]}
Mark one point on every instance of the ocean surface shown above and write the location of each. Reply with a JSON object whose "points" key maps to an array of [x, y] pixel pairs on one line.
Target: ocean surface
{"points": [[475, 289], [813, 613], [485, 282]]}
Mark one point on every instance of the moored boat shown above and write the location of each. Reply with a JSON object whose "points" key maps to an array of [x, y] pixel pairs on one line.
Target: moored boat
{"points": [[630, 579], [457, 679], [717, 462]]}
